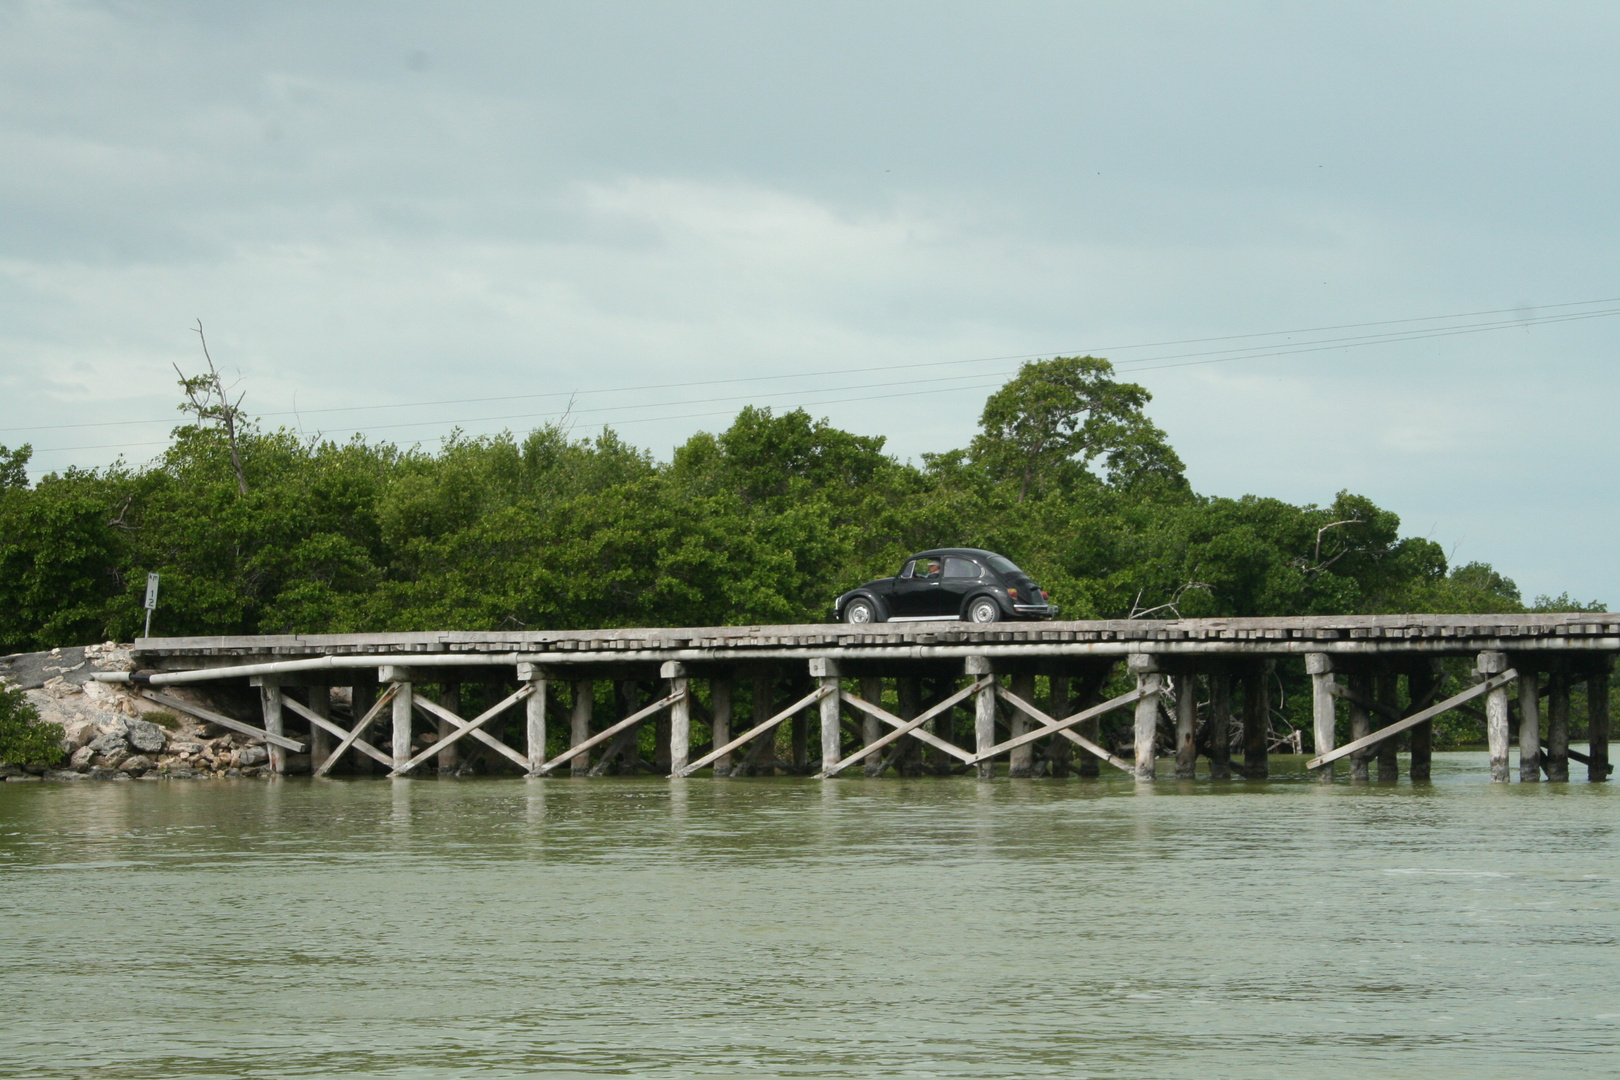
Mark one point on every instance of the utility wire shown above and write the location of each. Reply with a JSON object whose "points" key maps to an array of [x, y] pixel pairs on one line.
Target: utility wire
{"points": [[1172, 360]]}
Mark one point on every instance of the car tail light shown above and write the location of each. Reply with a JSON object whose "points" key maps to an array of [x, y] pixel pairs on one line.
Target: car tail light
{"points": [[1013, 593], [1045, 595]]}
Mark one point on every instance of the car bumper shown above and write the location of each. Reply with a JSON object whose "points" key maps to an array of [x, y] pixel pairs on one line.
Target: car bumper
{"points": [[1035, 611]]}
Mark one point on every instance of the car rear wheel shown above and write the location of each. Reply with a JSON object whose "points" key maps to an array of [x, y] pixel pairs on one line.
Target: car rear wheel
{"points": [[983, 610], [860, 611]]}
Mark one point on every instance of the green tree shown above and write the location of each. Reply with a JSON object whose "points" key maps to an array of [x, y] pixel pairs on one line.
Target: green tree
{"points": [[24, 740]]}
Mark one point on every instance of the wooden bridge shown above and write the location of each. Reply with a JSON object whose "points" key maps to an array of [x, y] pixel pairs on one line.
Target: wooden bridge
{"points": [[964, 697]]}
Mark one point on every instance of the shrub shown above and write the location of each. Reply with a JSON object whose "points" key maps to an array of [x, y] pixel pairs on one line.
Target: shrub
{"points": [[23, 739]]}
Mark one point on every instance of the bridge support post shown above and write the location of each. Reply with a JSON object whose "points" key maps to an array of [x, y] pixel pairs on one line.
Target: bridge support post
{"points": [[1597, 723], [1529, 722], [1256, 722], [1558, 723], [270, 704], [362, 696], [1324, 713], [1420, 685], [1058, 749], [1186, 726], [320, 740], [579, 724], [871, 727], [1020, 759], [1148, 680], [984, 712], [1496, 714], [402, 706], [1220, 723], [534, 715], [1361, 685], [1389, 766], [825, 672], [680, 715], [720, 722], [450, 698]]}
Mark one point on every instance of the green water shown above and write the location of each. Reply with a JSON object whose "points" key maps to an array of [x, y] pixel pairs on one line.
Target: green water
{"points": [[788, 927]]}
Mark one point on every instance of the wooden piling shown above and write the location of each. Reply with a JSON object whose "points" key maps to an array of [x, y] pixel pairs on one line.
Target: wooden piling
{"points": [[871, 728], [579, 724], [1421, 681], [680, 715], [1597, 724], [1557, 763], [1385, 688], [1496, 714], [1021, 759], [362, 696], [1360, 684], [799, 733], [534, 715], [761, 757], [1324, 709], [270, 704], [825, 672], [1220, 724], [1058, 749], [403, 706], [984, 713], [1529, 722], [1089, 767], [449, 759], [1186, 726], [1148, 680], [320, 740], [720, 721], [1256, 723], [908, 703]]}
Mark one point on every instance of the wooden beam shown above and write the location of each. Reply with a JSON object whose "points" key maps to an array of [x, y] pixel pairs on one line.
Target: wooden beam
{"points": [[352, 735], [894, 721], [473, 727], [326, 724], [223, 721], [904, 729], [1061, 727], [606, 734], [1430, 713], [758, 729]]}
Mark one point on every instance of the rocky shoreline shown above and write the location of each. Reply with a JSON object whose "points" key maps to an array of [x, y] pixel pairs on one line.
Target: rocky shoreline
{"points": [[108, 733]]}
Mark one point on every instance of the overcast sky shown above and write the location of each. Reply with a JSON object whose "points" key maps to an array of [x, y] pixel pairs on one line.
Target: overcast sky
{"points": [[398, 218]]}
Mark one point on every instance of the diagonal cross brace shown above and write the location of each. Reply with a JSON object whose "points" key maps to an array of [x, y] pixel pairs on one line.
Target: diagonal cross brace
{"points": [[473, 727], [224, 721], [320, 721], [714, 755], [907, 728], [895, 722], [1415, 719], [608, 733], [1061, 727], [351, 737]]}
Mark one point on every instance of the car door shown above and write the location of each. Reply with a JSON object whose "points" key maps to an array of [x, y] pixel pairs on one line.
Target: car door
{"points": [[916, 590], [960, 577]]}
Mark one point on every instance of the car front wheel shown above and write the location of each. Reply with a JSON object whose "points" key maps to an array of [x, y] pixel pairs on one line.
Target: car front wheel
{"points": [[983, 610], [860, 611]]}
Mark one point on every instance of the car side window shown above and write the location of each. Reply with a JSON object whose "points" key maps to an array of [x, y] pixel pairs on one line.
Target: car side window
{"points": [[910, 567], [962, 568]]}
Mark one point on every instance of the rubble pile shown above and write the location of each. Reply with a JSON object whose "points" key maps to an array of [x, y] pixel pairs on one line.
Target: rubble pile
{"points": [[110, 733]]}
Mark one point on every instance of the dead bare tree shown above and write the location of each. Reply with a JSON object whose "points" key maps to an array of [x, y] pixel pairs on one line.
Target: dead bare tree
{"points": [[208, 399], [1138, 612]]}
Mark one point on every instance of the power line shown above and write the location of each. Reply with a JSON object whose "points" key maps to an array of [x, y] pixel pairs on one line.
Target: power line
{"points": [[1175, 360]]}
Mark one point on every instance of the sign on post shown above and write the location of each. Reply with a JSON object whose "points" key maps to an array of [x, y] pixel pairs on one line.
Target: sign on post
{"points": [[151, 601]]}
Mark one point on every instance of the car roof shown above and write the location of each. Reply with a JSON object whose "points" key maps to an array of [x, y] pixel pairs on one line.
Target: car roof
{"points": [[955, 551]]}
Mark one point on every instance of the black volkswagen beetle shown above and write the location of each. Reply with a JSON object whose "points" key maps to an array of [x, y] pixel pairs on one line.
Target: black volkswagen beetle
{"points": [[947, 584]]}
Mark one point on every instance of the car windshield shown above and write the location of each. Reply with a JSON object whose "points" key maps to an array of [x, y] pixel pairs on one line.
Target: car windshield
{"points": [[1004, 566]]}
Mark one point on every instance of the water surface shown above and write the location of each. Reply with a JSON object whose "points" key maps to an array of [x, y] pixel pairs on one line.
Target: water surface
{"points": [[786, 927]]}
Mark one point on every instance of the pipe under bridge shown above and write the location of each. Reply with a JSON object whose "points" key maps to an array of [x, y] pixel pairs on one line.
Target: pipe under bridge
{"points": [[915, 697]]}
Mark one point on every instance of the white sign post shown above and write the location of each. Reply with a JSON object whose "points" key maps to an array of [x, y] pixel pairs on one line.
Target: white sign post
{"points": [[151, 601]]}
